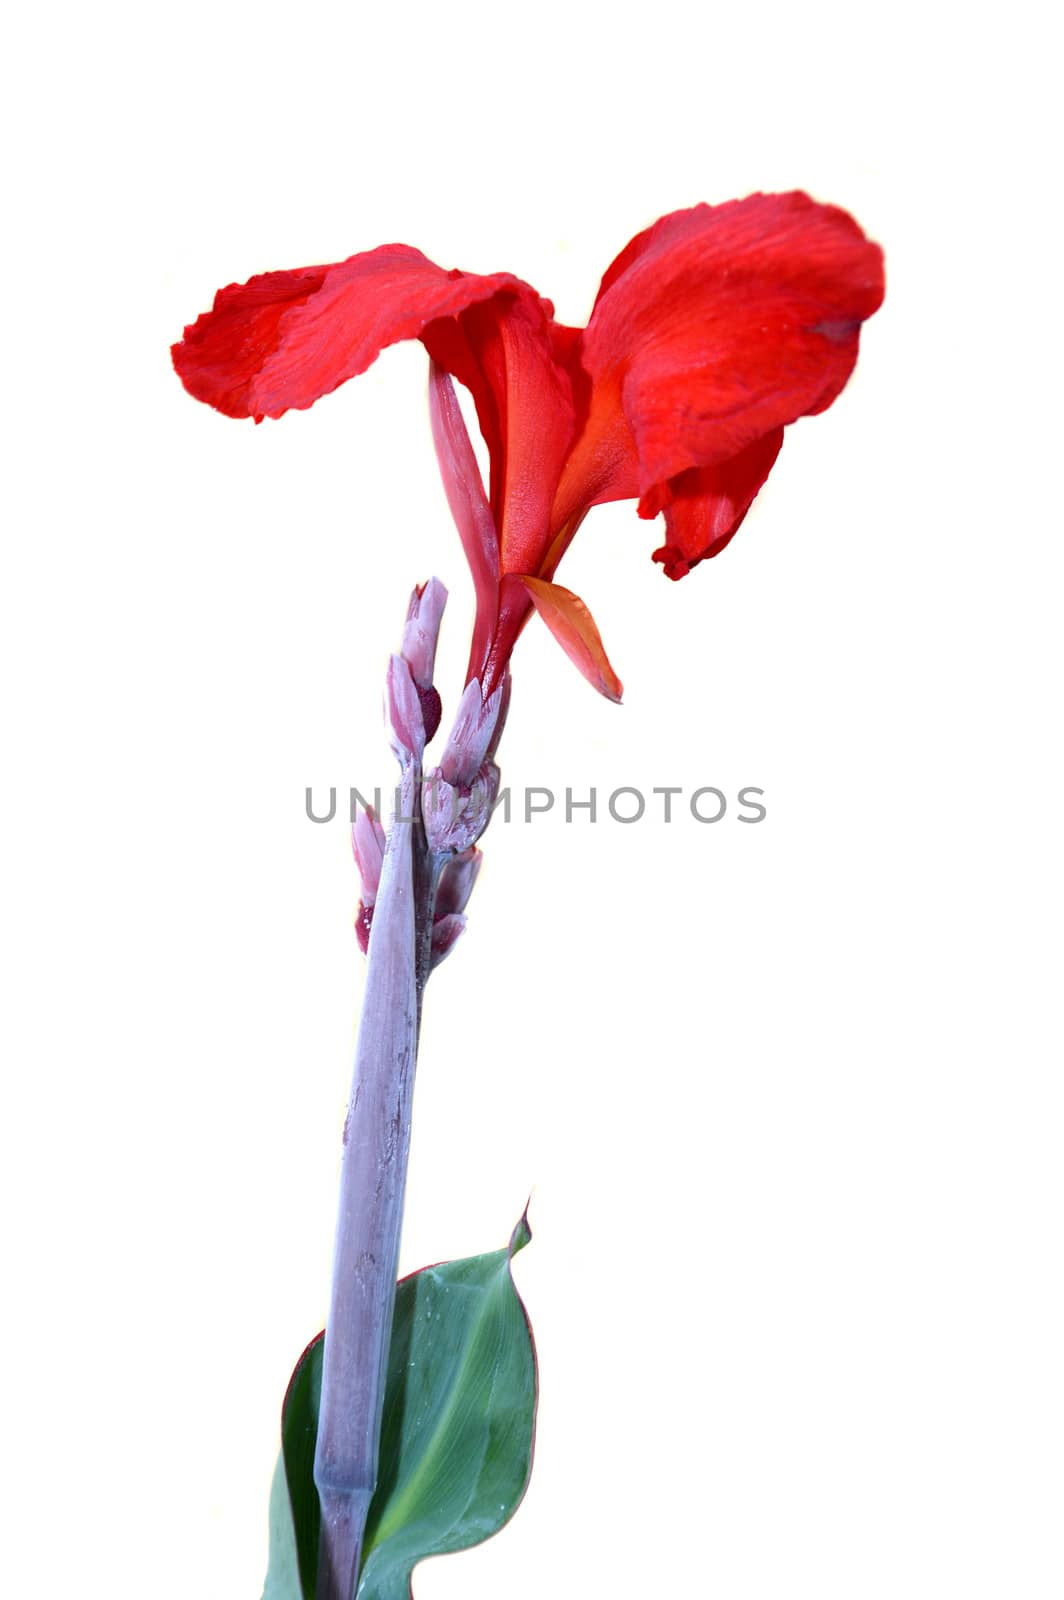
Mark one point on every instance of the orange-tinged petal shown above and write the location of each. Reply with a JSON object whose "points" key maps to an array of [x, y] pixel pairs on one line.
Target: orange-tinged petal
{"points": [[573, 626]]}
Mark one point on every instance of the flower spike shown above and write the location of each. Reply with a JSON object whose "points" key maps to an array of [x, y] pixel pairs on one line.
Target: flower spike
{"points": [[713, 331]]}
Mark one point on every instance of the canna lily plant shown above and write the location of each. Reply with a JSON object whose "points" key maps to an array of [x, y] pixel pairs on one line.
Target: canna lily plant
{"points": [[713, 331]]}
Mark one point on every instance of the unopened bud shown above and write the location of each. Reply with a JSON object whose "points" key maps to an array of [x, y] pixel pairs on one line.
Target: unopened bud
{"points": [[456, 882], [422, 630], [403, 712], [456, 815], [363, 923], [368, 840], [446, 931], [470, 739]]}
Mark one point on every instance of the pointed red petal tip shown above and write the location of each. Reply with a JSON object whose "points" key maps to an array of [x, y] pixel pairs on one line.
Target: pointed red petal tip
{"points": [[573, 626]]}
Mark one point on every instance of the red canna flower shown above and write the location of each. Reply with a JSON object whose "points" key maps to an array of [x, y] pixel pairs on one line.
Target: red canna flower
{"points": [[712, 330]]}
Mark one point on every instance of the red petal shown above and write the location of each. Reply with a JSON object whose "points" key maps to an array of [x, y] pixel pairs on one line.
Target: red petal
{"points": [[505, 352], [705, 506], [713, 328], [468, 502], [573, 626], [284, 339]]}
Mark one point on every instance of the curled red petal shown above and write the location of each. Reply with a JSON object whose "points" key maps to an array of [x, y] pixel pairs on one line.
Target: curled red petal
{"points": [[573, 626], [283, 339], [712, 329], [705, 506]]}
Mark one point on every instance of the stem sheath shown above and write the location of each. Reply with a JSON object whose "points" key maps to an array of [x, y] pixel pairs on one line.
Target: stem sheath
{"points": [[372, 1185]]}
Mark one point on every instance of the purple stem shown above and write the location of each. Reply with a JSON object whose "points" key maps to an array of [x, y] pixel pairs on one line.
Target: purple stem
{"points": [[377, 1130], [372, 1183]]}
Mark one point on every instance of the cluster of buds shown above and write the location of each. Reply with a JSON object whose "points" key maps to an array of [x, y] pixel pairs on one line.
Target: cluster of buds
{"points": [[455, 800], [457, 877]]}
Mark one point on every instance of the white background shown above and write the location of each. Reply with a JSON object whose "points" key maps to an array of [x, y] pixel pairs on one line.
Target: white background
{"points": [[786, 1095]]}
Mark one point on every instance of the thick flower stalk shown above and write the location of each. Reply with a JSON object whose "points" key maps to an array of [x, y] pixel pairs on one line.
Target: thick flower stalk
{"points": [[416, 882], [713, 331]]}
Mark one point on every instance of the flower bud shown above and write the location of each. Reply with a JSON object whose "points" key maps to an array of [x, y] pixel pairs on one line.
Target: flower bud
{"points": [[456, 815], [456, 882], [446, 932], [471, 737], [368, 840], [419, 648], [403, 712], [363, 923], [422, 630]]}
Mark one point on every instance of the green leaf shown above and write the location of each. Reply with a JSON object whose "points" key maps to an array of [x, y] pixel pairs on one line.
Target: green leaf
{"points": [[456, 1439]]}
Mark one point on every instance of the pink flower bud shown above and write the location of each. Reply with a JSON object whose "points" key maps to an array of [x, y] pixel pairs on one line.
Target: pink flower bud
{"points": [[471, 737], [367, 842], [456, 883], [422, 630], [455, 816], [445, 935], [403, 712]]}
